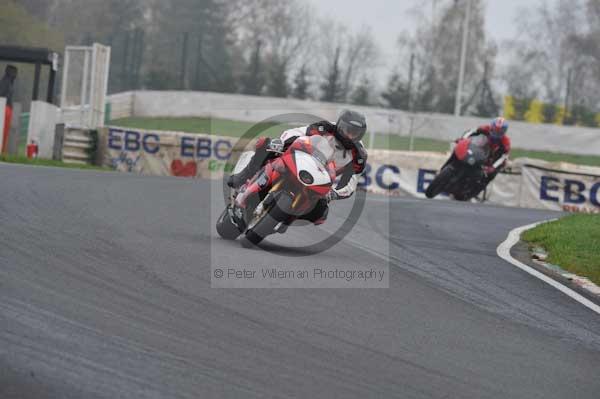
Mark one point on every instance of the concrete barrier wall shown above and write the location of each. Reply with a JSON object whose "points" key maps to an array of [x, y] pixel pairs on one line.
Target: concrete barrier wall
{"points": [[575, 140], [121, 105], [42, 124]]}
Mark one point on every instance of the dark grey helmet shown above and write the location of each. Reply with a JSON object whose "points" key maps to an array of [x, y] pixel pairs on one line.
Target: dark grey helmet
{"points": [[350, 127]]}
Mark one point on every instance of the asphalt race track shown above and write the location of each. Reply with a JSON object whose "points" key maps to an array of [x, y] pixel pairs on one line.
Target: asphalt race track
{"points": [[105, 293]]}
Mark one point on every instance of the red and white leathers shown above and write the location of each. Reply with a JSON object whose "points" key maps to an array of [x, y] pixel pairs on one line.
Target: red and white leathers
{"points": [[499, 150], [349, 163]]}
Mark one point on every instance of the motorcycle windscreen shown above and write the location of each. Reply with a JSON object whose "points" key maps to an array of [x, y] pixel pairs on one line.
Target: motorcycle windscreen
{"points": [[479, 150], [323, 148], [243, 161]]}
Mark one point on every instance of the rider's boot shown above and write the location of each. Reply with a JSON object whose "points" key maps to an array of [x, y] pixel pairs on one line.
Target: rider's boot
{"points": [[261, 154], [239, 179]]}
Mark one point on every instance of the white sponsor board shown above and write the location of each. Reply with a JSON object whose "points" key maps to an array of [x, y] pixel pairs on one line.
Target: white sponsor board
{"points": [[165, 153], [409, 174], [571, 189], [532, 184]]}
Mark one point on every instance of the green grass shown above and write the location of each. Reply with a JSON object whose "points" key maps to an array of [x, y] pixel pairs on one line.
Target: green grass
{"points": [[589, 160], [382, 141], [573, 243], [45, 162]]}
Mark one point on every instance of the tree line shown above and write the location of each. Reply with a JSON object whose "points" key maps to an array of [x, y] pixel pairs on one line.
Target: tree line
{"points": [[285, 48]]}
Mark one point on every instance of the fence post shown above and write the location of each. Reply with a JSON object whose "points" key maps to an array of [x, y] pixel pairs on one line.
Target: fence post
{"points": [[371, 139]]}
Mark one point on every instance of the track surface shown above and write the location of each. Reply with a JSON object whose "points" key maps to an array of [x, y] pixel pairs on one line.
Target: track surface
{"points": [[104, 293]]}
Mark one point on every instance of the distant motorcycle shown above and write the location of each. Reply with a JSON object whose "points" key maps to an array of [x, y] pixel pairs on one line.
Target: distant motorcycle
{"points": [[463, 176], [300, 177]]}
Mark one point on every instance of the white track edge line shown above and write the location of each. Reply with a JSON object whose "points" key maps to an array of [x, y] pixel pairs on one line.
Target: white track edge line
{"points": [[513, 238]]}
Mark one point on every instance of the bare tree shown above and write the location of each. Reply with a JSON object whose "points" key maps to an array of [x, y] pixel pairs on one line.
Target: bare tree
{"points": [[557, 55], [331, 86], [207, 59], [342, 57], [361, 55], [280, 26], [362, 92], [301, 83], [253, 79], [396, 93], [436, 55]]}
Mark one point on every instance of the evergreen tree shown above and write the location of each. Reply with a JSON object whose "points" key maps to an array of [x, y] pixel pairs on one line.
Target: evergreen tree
{"points": [[253, 80], [277, 84], [301, 83], [209, 64], [396, 94], [332, 88], [362, 93]]}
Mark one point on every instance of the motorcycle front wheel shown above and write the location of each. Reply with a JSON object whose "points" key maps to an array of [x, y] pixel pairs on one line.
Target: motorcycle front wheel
{"points": [[266, 225], [225, 226], [440, 183]]}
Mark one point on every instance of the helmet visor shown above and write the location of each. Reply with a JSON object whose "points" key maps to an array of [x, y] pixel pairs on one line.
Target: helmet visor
{"points": [[352, 131]]}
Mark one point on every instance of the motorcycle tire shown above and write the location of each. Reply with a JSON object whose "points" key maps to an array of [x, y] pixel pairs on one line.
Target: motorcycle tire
{"points": [[226, 228], [440, 183], [266, 226]]}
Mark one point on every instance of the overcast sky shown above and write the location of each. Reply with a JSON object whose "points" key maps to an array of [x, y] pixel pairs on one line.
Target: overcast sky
{"points": [[388, 18]]}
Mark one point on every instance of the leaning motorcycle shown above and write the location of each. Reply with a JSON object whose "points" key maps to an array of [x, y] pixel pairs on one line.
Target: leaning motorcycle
{"points": [[463, 175], [284, 190]]}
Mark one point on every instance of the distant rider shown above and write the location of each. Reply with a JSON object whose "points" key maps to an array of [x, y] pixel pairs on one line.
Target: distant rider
{"points": [[499, 145], [350, 158]]}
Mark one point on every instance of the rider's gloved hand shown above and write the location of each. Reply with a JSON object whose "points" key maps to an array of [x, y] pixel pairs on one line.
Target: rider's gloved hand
{"points": [[489, 170], [333, 195], [275, 145]]}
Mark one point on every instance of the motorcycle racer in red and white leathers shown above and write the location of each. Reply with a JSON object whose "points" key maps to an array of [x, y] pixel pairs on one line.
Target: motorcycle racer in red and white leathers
{"points": [[350, 159], [499, 145]]}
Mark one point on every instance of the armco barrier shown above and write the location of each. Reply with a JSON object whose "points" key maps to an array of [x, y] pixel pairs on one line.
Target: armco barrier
{"points": [[531, 184], [541, 137]]}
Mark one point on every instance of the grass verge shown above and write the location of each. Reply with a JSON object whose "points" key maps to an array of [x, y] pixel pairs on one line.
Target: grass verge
{"points": [[231, 128], [46, 162], [573, 243]]}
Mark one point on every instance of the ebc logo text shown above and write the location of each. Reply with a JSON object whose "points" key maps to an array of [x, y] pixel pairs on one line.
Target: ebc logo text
{"points": [[191, 146], [392, 171], [570, 191]]}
